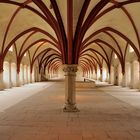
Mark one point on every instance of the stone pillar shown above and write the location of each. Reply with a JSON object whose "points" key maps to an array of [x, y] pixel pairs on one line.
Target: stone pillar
{"points": [[132, 75], [139, 75], [18, 79], [31, 81], [101, 76], [123, 80], [39, 77], [10, 76], [110, 82], [96, 76], [2, 85], [26, 74], [70, 95], [22, 70]]}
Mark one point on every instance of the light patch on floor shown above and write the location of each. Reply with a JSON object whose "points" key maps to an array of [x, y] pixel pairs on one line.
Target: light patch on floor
{"points": [[10, 97]]}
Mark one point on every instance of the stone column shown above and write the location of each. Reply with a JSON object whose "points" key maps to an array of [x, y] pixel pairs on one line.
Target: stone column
{"points": [[109, 81], [10, 76], [39, 77], [139, 75], [22, 70], [123, 80], [2, 85], [70, 95], [31, 81], [132, 75], [27, 75], [96, 76], [18, 79], [101, 76]]}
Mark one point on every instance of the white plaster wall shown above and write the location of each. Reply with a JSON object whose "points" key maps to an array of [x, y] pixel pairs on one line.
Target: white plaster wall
{"points": [[47, 74], [104, 72], [94, 75], [79, 74], [98, 73], [61, 73]]}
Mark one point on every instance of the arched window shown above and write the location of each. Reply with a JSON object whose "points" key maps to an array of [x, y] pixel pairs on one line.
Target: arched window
{"points": [[131, 49], [11, 48]]}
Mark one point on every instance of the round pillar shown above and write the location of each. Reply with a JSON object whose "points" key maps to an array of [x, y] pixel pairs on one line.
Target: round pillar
{"points": [[10, 75], [139, 75], [70, 95], [31, 80], [123, 80], [110, 82], [18, 84], [132, 75]]}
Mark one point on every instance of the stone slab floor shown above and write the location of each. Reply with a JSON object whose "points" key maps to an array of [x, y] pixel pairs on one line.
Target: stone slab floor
{"points": [[34, 112]]}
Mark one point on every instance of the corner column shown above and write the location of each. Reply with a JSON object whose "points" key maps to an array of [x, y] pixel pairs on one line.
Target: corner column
{"points": [[70, 95]]}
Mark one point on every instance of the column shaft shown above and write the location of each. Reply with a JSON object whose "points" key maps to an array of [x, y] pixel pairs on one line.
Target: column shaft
{"points": [[110, 82], [18, 83], [124, 80], [31, 81], [10, 75], [139, 75], [132, 75], [70, 95], [2, 86]]}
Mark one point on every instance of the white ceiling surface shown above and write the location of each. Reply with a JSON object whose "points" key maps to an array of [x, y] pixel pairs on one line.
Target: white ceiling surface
{"points": [[77, 7], [25, 19], [118, 20]]}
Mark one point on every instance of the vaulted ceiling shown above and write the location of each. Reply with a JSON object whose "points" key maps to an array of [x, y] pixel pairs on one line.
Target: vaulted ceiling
{"points": [[70, 31]]}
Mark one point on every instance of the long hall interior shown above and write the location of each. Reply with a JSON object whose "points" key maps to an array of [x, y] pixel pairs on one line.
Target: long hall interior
{"points": [[69, 70]]}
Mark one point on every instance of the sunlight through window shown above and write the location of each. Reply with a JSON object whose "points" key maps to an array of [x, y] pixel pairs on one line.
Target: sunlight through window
{"points": [[115, 56], [131, 49], [11, 48]]}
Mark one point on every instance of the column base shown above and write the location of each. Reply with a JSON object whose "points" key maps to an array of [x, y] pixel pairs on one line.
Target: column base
{"points": [[2, 86], [18, 84], [70, 108]]}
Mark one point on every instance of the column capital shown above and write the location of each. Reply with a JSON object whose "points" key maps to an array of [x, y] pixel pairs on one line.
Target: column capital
{"points": [[70, 69]]}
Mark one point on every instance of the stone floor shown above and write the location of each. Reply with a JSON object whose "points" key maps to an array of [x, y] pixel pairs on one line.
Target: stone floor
{"points": [[34, 112]]}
